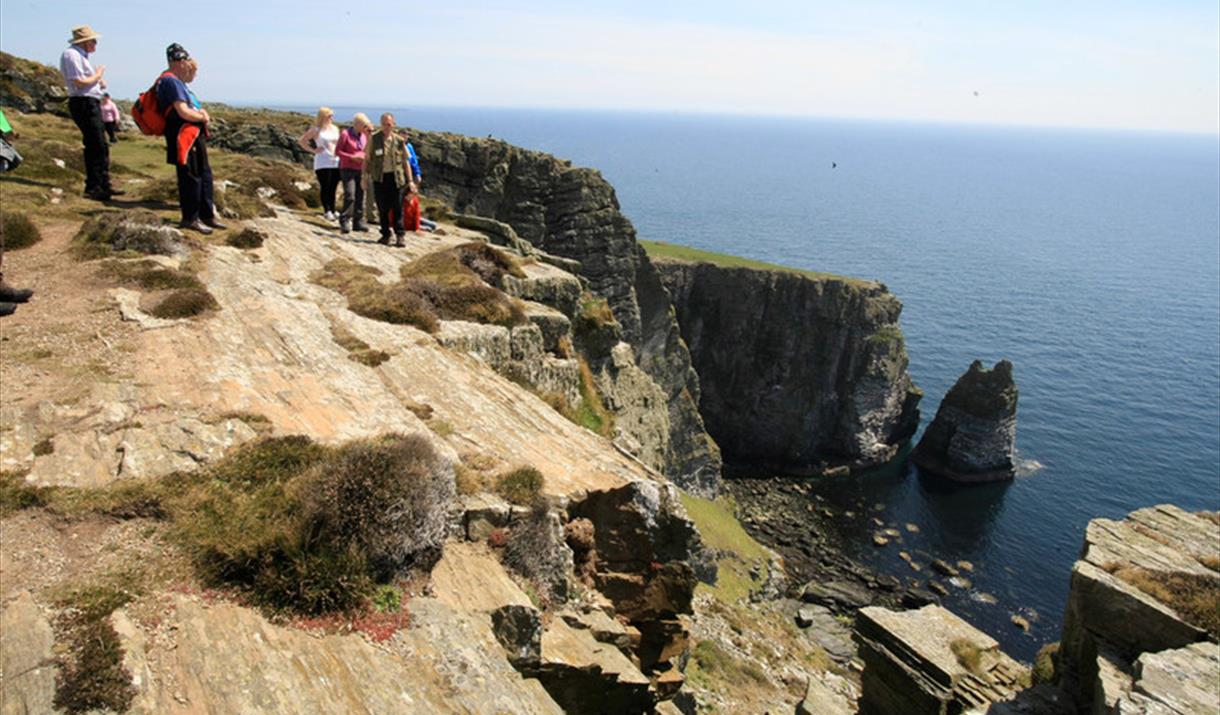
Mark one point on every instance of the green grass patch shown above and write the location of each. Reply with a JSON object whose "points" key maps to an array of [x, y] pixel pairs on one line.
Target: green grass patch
{"points": [[739, 553], [16, 494], [719, 665], [660, 249]]}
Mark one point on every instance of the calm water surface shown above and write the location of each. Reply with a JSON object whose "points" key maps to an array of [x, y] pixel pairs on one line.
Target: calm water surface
{"points": [[1089, 259]]}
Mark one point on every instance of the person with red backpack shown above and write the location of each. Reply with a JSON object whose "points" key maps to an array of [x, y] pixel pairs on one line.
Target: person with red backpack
{"points": [[186, 128]]}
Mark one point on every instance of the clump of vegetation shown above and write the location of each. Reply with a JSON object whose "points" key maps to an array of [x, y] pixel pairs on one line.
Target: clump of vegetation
{"points": [[886, 335], [448, 285], [968, 654], [44, 447], [435, 210], [148, 275], [91, 672], [369, 297], [387, 498], [387, 598], [520, 486], [356, 348], [1044, 663], [1193, 596], [712, 659], [594, 327], [738, 556], [537, 550], [243, 205], [185, 303], [114, 232], [18, 231], [247, 238], [16, 494]]}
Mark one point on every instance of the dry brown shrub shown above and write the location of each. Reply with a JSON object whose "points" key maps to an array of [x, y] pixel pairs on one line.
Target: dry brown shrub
{"points": [[1194, 596]]}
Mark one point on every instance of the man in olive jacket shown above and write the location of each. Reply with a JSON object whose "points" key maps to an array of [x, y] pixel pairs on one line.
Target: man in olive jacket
{"points": [[387, 173]]}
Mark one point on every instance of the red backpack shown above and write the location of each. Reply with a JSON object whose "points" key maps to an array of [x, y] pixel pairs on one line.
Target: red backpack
{"points": [[149, 118]]}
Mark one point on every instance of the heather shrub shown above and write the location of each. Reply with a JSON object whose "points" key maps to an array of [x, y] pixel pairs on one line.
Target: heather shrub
{"points": [[537, 549], [387, 499], [520, 486], [148, 275], [18, 230], [185, 303], [247, 238]]}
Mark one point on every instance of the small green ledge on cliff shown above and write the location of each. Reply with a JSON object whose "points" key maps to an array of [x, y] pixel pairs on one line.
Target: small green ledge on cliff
{"points": [[663, 250]]}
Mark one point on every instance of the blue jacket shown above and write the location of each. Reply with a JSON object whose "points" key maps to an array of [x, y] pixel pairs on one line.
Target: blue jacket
{"points": [[414, 161]]}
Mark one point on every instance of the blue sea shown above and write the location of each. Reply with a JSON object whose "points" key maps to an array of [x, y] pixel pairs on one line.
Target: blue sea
{"points": [[1090, 259]]}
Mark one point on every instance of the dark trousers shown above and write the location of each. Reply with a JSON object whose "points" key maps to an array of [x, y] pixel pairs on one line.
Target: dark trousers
{"points": [[195, 185], [353, 196], [328, 179], [389, 205], [111, 128], [87, 113]]}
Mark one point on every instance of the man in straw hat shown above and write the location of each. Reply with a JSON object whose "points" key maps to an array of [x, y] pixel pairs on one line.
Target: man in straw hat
{"points": [[85, 86]]}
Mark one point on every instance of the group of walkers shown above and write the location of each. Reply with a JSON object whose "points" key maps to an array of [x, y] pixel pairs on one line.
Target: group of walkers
{"points": [[378, 163]]}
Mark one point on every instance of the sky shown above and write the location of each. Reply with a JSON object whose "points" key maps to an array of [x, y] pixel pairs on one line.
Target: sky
{"points": [[1124, 64]]}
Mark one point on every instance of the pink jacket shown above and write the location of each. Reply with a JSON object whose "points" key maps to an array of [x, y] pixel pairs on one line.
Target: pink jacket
{"points": [[351, 149], [110, 111]]}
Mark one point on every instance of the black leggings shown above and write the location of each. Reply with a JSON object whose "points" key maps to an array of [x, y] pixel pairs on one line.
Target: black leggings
{"points": [[328, 179]]}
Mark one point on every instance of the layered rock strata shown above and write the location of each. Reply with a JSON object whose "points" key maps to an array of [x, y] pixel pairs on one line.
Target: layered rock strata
{"points": [[796, 372], [930, 662], [573, 213], [1139, 597], [973, 436]]}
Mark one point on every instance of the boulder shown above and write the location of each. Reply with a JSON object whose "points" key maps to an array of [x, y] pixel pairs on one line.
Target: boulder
{"points": [[839, 594], [973, 436], [1124, 596], [27, 663], [930, 662], [826, 694]]}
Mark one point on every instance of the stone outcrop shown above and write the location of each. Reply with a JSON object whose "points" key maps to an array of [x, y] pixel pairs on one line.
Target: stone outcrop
{"points": [[31, 86], [796, 372], [1130, 606], [573, 213], [930, 662], [973, 435]]}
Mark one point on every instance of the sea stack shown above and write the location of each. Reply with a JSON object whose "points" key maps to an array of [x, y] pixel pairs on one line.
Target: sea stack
{"points": [[973, 435]]}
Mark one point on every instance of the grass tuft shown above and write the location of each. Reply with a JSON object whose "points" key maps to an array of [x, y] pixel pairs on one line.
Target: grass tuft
{"points": [[247, 238], [17, 495], [147, 275], [1195, 597], [520, 486], [185, 303], [968, 654], [1044, 663], [18, 231]]}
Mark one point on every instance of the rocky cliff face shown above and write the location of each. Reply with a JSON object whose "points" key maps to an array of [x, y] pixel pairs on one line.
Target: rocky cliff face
{"points": [[796, 372], [1144, 599], [974, 433], [573, 213]]}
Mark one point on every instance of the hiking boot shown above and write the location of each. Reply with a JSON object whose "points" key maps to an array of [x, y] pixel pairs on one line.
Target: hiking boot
{"points": [[399, 243], [345, 226], [361, 226], [114, 192], [9, 294], [213, 223], [7, 309], [98, 195], [195, 225], [384, 240]]}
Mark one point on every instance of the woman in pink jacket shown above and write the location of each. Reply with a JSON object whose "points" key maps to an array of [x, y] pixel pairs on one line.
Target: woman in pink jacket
{"points": [[350, 151], [110, 117]]}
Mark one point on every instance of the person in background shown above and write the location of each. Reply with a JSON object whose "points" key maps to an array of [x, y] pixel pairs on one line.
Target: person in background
{"points": [[387, 172], [324, 135], [85, 86], [9, 296], [110, 118], [186, 142], [350, 150]]}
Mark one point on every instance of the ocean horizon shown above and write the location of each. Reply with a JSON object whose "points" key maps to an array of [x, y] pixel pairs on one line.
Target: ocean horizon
{"points": [[1089, 258]]}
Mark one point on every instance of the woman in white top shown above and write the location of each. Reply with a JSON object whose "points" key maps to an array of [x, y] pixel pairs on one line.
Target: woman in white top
{"points": [[320, 140]]}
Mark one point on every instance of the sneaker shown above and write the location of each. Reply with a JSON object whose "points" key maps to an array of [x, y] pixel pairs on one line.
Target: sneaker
{"points": [[361, 226], [195, 225], [345, 226], [213, 223], [9, 294], [7, 309], [399, 243]]}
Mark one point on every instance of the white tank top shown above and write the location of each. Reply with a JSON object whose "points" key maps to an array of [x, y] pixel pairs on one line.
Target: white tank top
{"points": [[326, 141]]}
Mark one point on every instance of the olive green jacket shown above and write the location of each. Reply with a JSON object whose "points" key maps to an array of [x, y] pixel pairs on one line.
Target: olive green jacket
{"points": [[379, 155]]}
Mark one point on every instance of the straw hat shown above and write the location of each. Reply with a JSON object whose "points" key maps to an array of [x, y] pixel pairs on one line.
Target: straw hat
{"points": [[82, 33]]}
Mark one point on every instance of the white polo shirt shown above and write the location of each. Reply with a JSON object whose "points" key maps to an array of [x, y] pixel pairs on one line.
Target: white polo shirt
{"points": [[74, 64]]}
